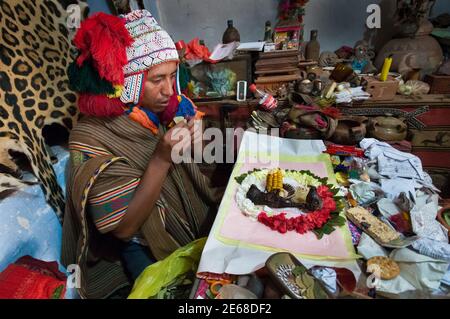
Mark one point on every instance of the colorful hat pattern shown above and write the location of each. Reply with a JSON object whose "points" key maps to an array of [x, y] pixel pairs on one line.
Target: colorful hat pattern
{"points": [[115, 54]]}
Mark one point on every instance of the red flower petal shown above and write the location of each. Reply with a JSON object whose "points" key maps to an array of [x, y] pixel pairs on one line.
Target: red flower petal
{"points": [[302, 223], [329, 204], [324, 191]]}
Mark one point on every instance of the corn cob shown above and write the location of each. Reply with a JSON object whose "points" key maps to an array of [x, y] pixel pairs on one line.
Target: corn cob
{"points": [[274, 180]]}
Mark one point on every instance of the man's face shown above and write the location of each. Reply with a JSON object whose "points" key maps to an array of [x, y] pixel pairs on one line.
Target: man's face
{"points": [[159, 86]]}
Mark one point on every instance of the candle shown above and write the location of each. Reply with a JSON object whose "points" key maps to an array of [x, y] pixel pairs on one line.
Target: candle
{"points": [[386, 67]]}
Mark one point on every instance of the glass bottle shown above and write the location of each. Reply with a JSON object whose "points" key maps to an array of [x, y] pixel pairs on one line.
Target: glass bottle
{"points": [[313, 47], [268, 32], [231, 34]]}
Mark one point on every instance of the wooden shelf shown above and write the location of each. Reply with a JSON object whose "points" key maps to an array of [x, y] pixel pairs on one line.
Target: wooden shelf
{"points": [[401, 101], [219, 103]]}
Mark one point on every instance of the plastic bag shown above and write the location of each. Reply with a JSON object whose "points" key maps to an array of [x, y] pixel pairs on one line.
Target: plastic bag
{"points": [[160, 274]]}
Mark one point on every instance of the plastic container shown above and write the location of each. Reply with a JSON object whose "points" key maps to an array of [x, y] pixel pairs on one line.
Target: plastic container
{"points": [[266, 101]]}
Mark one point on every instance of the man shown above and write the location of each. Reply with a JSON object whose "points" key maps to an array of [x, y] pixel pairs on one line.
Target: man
{"points": [[127, 203]]}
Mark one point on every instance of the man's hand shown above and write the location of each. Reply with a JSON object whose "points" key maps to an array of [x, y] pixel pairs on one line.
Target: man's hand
{"points": [[196, 131], [149, 189], [172, 138]]}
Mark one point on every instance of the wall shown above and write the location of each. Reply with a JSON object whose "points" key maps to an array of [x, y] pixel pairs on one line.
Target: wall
{"points": [[187, 19], [339, 21], [98, 6], [441, 6]]}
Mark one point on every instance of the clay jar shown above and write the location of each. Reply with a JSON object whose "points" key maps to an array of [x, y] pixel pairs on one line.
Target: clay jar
{"points": [[387, 128], [312, 50], [350, 130], [417, 50], [231, 34]]}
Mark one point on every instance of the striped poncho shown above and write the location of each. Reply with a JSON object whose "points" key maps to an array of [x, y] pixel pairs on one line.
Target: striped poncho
{"points": [[108, 158]]}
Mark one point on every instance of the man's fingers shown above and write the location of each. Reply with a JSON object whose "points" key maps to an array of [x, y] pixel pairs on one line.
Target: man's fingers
{"points": [[191, 122], [195, 123], [178, 133], [180, 124], [185, 145], [198, 126], [196, 130]]}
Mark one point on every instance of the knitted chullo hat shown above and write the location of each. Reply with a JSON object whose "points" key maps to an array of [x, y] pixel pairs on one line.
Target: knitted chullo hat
{"points": [[115, 54]]}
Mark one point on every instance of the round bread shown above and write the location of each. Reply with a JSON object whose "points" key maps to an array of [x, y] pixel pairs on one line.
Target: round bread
{"points": [[389, 269]]}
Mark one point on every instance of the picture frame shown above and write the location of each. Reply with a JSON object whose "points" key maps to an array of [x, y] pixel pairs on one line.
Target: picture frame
{"points": [[223, 72], [288, 35]]}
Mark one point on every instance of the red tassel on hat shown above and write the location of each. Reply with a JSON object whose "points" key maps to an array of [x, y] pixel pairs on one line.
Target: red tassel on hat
{"points": [[104, 39], [100, 105]]}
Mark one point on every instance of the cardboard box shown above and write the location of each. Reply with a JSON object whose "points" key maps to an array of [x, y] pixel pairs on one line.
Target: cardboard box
{"points": [[379, 90]]}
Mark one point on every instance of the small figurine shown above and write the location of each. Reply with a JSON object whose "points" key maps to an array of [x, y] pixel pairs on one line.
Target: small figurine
{"points": [[283, 92], [362, 59], [268, 37]]}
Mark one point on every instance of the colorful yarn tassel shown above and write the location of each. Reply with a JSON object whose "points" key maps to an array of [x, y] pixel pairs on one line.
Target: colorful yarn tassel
{"points": [[103, 38], [146, 118], [99, 105], [85, 79]]}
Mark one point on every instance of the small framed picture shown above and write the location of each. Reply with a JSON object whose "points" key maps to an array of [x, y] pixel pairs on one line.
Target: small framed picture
{"points": [[287, 35], [219, 80]]}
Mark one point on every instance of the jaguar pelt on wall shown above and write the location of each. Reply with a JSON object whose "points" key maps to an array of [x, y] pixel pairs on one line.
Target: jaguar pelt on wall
{"points": [[35, 50]]}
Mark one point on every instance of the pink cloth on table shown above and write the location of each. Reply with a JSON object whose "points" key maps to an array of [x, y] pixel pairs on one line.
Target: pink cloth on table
{"points": [[238, 227]]}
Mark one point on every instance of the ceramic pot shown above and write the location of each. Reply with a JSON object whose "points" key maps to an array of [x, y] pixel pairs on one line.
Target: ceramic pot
{"points": [[314, 119], [350, 130], [421, 51], [387, 128], [305, 87]]}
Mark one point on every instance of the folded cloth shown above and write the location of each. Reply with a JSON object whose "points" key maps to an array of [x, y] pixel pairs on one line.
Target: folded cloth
{"points": [[29, 278]]}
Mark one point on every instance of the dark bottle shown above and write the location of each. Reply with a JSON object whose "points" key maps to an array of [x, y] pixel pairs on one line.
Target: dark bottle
{"points": [[231, 34], [312, 50], [268, 32]]}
